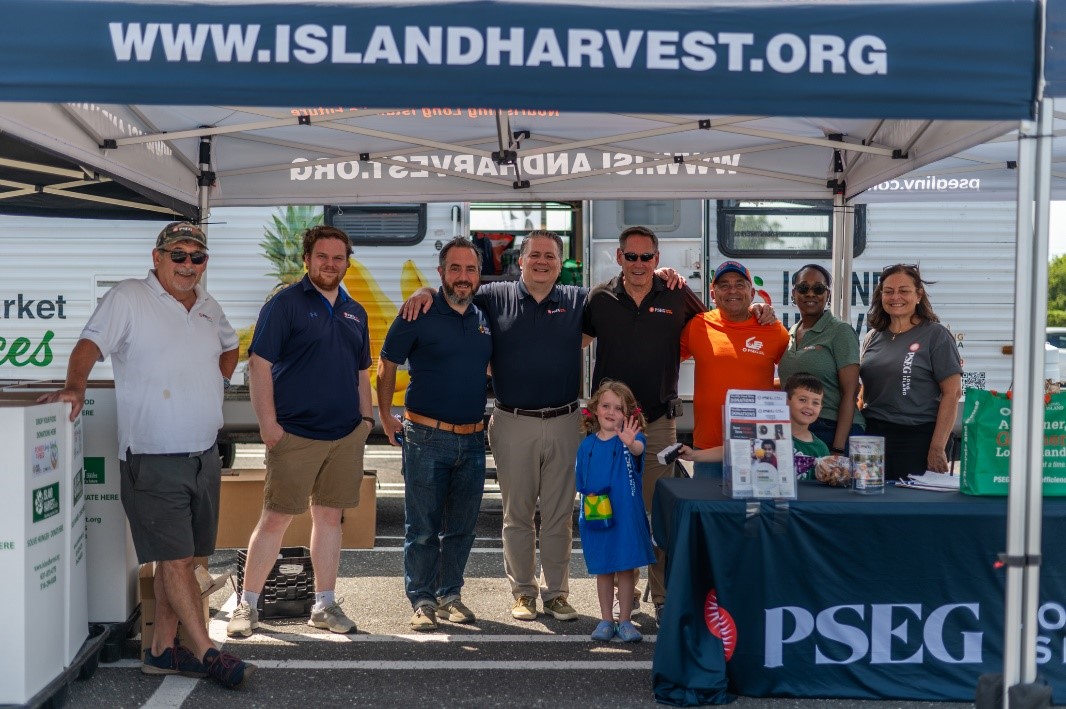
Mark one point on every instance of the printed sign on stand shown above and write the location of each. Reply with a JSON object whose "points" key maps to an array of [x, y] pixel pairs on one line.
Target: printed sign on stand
{"points": [[758, 446]]}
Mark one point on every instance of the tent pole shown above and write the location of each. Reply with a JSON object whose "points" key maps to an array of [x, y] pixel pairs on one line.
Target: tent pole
{"points": [[1034, 481], [841, 266], [204, 182], [1026, 418]]}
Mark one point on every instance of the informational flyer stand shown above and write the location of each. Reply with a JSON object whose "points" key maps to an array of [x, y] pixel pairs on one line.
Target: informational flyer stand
{"points": [[758, 445], [33, 546]]}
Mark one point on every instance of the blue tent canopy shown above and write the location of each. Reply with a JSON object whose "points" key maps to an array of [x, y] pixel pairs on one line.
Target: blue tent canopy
{"points": [[970, 60]]}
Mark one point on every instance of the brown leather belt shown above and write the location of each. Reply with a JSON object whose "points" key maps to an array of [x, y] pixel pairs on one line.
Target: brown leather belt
{"points": [[460, 428], [540, 413]]}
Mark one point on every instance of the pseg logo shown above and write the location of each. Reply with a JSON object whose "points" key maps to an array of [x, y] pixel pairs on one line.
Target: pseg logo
{"points": [[753, 345], [878, 634]]}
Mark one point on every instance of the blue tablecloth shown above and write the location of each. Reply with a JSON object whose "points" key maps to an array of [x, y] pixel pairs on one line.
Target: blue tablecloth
{"points": [[836, 594]]}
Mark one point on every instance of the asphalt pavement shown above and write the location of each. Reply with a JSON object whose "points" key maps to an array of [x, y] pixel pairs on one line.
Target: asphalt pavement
{"points": [[495, 661]]}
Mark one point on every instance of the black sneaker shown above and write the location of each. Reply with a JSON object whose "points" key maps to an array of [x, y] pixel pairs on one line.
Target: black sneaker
{"points": [[228, 670], [659, 613], [175, 660]]}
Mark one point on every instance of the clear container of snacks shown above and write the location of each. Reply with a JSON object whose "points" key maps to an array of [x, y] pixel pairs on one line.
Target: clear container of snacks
{"points": [[867, 464]]}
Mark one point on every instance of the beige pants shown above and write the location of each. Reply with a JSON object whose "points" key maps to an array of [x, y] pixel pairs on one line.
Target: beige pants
{"points": [[660, 433], [535, 462]]}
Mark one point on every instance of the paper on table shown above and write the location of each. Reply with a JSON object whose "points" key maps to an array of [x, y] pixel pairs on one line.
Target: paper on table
{"points": [[931, 481]]}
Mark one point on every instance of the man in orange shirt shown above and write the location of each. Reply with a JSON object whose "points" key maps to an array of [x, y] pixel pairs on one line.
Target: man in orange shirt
{"points": [[732, 351]]}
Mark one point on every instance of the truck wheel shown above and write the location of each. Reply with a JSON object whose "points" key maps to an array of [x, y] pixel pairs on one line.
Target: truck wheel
{"points": [[228, 453]]}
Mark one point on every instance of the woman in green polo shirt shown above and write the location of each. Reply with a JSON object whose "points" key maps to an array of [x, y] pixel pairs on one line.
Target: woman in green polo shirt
{"points": [[829, 349]]}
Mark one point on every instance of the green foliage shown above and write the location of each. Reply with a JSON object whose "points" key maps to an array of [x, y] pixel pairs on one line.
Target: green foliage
{"points": [[753, 231], [282, 240], [1056, 318]]}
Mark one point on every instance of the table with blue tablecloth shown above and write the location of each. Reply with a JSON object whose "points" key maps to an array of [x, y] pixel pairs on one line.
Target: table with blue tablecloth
{"points": [[837, 594]]}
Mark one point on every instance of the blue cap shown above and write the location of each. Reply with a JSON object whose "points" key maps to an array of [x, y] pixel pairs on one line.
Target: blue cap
{"points": [[732, 267]]}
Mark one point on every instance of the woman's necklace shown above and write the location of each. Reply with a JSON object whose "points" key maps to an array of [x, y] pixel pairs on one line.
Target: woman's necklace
{"points": [[901, 331]]}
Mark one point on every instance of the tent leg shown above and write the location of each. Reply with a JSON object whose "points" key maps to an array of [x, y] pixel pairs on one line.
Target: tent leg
{"points": [[843, 249], [1026, 466]]}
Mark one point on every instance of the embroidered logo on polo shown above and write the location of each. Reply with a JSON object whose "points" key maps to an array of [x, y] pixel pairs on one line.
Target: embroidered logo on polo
{"points": [[312, 313], [351, 316], [206, 317], [753, 345], [556, 311], [661, 311]]}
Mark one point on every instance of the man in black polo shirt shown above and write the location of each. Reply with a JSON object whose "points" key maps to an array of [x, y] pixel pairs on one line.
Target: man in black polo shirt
{"points": [[443, 437], [310, 383], [637, 322]]}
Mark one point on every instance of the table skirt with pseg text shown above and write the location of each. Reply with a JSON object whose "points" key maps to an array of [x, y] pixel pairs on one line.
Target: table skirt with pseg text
{"points": [[837, 594]]}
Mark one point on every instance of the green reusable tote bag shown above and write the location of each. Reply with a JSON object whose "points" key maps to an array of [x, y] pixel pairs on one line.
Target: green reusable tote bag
{"points": [[986, 437]]}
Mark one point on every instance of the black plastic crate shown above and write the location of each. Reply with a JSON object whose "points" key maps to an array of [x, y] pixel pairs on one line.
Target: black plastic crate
{"points": [[289, 590]]}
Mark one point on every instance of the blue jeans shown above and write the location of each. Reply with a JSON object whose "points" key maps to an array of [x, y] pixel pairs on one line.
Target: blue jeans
{"points": [[444, 478]]}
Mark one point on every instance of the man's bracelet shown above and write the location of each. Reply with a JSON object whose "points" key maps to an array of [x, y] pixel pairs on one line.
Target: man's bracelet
{"points": [[372, 420], [839, 451]]}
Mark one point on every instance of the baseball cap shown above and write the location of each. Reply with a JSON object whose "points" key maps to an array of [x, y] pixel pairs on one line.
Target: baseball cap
{"points": [[180, 231], [732, 267]]}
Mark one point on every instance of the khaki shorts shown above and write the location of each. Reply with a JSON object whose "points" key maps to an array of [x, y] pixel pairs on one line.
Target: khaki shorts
{"points": [[304, 471]]}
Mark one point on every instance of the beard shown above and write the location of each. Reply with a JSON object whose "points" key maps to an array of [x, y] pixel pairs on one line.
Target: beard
{"points": [[456, 299], [326, 281]]}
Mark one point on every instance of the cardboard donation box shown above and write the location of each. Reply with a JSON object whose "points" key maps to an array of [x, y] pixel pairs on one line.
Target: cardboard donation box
{"points": [[208, 585], [758, 445], [35, 450], [241, 502], [111, 557]]}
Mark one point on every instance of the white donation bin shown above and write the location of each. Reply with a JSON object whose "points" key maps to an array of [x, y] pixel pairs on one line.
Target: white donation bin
{"points": [[33, 546]]}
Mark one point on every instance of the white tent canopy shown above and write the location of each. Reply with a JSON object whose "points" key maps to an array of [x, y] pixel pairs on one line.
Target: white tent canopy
{"points": [[271, 156]]}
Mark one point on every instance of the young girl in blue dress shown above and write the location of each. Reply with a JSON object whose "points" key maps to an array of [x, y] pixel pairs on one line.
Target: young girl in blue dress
{"points": [[610, 461]]}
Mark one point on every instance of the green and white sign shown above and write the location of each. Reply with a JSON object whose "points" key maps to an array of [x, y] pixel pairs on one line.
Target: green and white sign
{"points": [[45, 501]]}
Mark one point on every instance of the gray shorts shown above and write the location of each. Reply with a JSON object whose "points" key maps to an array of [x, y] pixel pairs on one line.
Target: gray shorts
{"points": [[171, 502]]}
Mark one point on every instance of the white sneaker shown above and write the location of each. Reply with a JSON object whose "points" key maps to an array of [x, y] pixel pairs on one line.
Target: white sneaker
{"points": [[243, 621]]}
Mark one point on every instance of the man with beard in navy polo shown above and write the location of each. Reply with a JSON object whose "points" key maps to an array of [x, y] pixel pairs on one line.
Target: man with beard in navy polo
{"points": [[443, 434]]}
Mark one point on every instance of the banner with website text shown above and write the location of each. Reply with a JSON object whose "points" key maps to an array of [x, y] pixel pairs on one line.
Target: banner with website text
{"points": [[933, 59]]}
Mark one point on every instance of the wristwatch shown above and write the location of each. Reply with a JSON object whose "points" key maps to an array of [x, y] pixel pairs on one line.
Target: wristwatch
{"points": [[372, 420]]}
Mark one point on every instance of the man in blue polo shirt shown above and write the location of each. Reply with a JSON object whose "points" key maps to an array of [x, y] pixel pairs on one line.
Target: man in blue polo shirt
{"points": [[448, 352], [310, 384]]}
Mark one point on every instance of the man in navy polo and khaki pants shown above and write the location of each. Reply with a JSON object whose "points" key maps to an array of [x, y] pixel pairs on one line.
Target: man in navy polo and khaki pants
{"points": [[448, 351], [310, 385]]}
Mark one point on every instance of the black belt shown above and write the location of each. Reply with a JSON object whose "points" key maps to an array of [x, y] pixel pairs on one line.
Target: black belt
{"points": [[540, 413]]}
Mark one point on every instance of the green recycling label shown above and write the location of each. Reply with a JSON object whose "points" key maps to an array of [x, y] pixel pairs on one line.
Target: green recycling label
{"points": [[94, 471], [45, 502], [77, 486]]}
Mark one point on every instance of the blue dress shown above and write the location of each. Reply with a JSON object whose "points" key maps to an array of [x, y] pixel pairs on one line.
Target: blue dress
{"points": [[608, 466]]}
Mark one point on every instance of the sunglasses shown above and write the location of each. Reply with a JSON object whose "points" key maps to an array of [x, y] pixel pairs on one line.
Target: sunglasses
{"points": [[179, 256], [630, 256], [817, 288], [912, 267]]}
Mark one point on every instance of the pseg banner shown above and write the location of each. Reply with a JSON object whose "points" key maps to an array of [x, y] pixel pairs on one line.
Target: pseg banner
{"points": [[930, 59]]}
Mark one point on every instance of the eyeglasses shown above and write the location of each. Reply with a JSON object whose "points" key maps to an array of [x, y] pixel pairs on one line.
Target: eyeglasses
{"points": [[817, 288], [179, 256], [630, 256], [900, 267]]}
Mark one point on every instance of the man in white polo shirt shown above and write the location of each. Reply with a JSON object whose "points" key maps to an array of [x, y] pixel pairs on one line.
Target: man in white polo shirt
{"points": [[171, 348]]}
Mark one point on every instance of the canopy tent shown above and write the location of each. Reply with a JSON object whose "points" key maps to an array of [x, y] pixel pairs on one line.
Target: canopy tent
{"points": [[34, 182], [679, 86]]}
